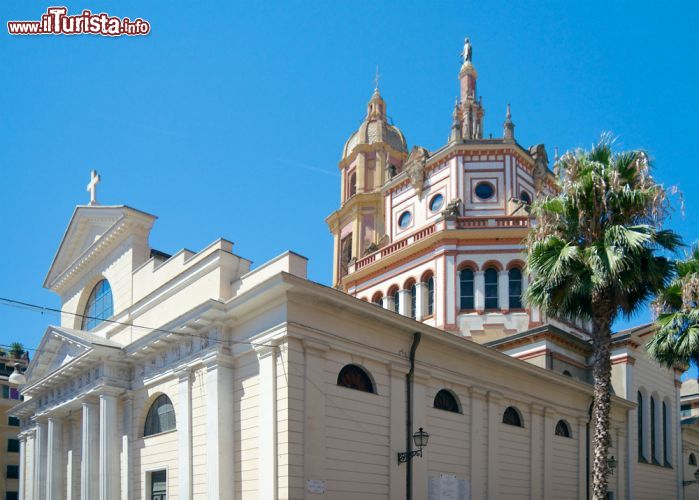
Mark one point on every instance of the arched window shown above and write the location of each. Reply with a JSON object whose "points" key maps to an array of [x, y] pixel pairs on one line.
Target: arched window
{"points": [[413, 301], [99, 306], [377, 299], [515, 282], [352, 185], [491, 288], [639, 425], [161, 416], [512, 417], [692, 459], [396, 300], [563, 429], [445, 400], [430, 296], [567, 373], [653, 442], [353, 377], [466, 289]]}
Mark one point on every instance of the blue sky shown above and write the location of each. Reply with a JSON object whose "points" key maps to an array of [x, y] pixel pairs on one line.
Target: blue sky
{"points": [[229, 118]]}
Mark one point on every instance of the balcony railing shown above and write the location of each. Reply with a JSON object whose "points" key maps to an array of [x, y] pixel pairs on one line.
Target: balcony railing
{"points": [[441, 225]]}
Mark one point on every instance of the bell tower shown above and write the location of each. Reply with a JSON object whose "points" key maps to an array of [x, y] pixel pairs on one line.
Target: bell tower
{"points": [[372, 155]]}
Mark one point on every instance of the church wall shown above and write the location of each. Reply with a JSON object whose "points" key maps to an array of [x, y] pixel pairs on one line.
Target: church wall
{"points": [[449, 450], [514, 445], [564, 473], [653, 481], [159, 451], [357, 427]]}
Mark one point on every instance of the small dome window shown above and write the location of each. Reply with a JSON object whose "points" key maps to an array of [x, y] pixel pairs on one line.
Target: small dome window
{"points": [[405, 219], [525, 198], [512, 417], [436, 202], [485, 190], [353, 377], [563, 429], [445, 400]]}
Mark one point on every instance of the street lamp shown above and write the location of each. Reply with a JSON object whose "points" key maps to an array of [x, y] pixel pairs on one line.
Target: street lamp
{"points": [[420, 439], [611, 464], [696, 479], [17, 377]]}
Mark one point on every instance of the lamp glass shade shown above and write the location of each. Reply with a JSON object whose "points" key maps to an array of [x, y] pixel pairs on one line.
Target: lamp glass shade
{"points": [[420, 438], [17, 377], [611, 462]]}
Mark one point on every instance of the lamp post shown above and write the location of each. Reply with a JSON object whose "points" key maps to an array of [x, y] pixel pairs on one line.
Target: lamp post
{"points": [[420, 439], [17, 377]]}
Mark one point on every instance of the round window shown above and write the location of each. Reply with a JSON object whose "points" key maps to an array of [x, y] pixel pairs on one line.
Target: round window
{"points": [[436, 202], [525, 198], [404, 219], [485, 190]]}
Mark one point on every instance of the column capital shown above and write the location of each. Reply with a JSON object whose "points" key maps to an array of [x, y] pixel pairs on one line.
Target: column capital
{"points": [[184, 373], [108, 390], [494, 397], [538, 409], [269, 348], [477, 392]]}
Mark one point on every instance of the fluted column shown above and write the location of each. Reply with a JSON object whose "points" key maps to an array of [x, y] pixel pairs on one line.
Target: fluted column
{"points": [[479, 290], [126, 444], [109, 448], [89, 475], [22, 465], [54, 465], [40, 460]]}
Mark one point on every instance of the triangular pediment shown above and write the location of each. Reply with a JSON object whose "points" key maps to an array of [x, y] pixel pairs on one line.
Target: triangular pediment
{"points": [[59, 346], [91, 228]]}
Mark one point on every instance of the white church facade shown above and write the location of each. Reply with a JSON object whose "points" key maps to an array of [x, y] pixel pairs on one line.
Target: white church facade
{"points": [[196, 375]]}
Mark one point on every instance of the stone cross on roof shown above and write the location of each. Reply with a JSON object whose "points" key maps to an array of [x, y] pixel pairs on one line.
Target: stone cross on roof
{"points": [[92, 187]]}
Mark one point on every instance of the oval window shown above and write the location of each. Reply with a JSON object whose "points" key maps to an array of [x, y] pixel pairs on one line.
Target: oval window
{"points": [[525, 198], [437, 202], [485, 190], [404, 219]]}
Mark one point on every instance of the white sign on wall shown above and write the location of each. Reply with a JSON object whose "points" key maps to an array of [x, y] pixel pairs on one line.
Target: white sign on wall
{"points": [[448, 487]]}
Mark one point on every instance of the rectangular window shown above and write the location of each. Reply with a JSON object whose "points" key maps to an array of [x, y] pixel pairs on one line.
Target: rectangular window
{"points": [[11, 495], [158, 485], [639, 425], [14, 393], [12, 472], [13, 421], [6, 392], [466, 289], [653, 445], [666, 441], [13, 445]]}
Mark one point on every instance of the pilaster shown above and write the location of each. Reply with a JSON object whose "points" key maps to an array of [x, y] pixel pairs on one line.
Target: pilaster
{"points": [[536, 452], [582, 458], [314, 411], [22, 465], [478, 422], [219, 431], [493, 443], [404, 302], [549, 428], [267, 406], [126, 451], [184, 433]]}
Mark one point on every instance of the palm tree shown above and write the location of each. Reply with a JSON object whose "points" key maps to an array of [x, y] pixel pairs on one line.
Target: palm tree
{"points": [[593, 255], [16, 349], [676, 340]]}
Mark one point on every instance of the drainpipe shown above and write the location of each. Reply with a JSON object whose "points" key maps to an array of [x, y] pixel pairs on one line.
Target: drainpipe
{"points": [[409, 416]]}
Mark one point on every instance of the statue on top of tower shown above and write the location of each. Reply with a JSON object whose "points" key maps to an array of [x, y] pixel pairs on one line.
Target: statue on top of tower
{"points": [[466, 54]]}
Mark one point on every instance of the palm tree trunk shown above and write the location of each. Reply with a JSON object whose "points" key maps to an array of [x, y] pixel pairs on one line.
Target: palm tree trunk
{"points": [[602, 379]]}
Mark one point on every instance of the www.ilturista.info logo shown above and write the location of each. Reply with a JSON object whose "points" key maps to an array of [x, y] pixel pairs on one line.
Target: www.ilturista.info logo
{"points": [[56, 21]]}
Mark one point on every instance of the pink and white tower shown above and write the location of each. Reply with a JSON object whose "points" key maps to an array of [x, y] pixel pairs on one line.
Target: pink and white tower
{"points": [[438, 235]]}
